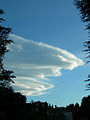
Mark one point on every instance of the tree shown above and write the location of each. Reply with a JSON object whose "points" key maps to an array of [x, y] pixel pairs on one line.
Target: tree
{"points": [[85, 107], [5, 75], [84, 9], [12, 104]]}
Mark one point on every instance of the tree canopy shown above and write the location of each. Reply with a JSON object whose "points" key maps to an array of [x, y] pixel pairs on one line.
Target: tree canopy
{"points": [[84, 9], [5, 75]]}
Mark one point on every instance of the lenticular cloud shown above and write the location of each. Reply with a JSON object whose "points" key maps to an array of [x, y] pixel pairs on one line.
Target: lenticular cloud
{"points": [[35, 62]]}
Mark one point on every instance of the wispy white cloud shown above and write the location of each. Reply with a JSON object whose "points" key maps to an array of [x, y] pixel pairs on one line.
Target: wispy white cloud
{"points": [[38, 61], [30, 86]]}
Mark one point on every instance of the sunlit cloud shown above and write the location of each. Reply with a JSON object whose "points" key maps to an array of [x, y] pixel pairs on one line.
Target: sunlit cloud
{"points": [[30, 86], [35, 62]]}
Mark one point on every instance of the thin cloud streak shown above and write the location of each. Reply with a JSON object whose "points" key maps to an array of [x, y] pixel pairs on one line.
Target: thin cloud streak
{"points": [[38, 61], [30, 86]]}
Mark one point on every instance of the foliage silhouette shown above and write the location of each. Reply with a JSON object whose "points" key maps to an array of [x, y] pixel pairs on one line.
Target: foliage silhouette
{"points": [[84, 9], [5, 75], [80, 112], [10, 102]]}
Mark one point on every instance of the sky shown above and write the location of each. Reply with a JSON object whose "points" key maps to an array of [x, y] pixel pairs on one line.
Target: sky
{"points": [[47, 54]]}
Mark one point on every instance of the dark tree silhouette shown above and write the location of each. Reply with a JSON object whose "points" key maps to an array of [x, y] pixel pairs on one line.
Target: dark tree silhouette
{"points": [[5, 75], [84, 9], [85, 107]]}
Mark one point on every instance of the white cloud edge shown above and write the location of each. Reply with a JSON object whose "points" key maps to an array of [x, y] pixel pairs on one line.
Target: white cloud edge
{"points": [[68, 57], [26, 89]]}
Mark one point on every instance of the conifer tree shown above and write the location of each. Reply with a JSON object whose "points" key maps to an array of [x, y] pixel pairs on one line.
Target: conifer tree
{"points": [[5, 75], [84, 9]]}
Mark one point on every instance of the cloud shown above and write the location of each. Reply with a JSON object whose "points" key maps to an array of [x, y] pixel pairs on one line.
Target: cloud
{"points": [[30, 86], [35, 62]]}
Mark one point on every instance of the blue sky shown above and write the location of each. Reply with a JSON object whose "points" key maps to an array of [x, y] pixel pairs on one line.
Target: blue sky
{"points": [[46, 33]]}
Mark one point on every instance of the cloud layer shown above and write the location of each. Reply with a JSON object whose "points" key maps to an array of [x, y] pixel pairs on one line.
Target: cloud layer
{"points": [[34, 62]]}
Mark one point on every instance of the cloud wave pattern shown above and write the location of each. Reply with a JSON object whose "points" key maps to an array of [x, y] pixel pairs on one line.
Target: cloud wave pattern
{"points": [[34, 62]]}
